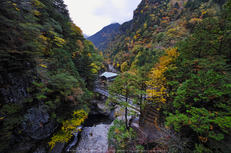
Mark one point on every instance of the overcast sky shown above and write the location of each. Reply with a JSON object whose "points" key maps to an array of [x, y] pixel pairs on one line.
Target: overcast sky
{"points": [[92, 15]]}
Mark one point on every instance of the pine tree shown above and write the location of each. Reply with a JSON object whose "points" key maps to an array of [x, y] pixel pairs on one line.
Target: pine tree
{"points": [[122, 90]]}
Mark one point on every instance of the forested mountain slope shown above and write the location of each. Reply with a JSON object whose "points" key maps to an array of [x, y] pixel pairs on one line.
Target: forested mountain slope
{"points": [[102, 38], [47, 69], [178, 54], [157, 25]]}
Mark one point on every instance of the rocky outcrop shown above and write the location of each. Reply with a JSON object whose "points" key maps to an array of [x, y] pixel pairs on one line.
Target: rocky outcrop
{"points": [[36, 128], [94, 139], [37, 124], [58, 148], [13, 85], [99, 108], [111, 68], [120, 114]]}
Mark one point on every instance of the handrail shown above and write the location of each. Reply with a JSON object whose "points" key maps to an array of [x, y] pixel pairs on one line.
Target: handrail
{"points": [[148, 107], [139, 129], [143, 135], [106, 93]]}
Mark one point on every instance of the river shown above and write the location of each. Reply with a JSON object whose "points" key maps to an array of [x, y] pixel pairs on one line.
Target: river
{"points": [[93, 137]]}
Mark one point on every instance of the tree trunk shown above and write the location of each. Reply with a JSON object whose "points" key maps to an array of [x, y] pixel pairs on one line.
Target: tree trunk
{"points": [[126, 111], [141, 111], [126, 118]]}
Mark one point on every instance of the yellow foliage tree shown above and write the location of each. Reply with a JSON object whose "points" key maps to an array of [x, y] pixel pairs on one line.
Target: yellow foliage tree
{"points": [[125, 66], [157, 85], [68, 127], [94, 68]]}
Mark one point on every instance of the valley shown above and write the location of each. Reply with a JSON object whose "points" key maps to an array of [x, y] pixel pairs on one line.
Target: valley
{"points": [[171, 91]]}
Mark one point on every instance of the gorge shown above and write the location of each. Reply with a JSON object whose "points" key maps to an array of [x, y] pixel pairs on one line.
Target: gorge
{"points": [[173, 61]]}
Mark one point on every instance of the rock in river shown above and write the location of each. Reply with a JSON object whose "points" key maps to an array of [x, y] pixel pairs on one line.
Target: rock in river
{"points": [[94, 139], [98, 107]]}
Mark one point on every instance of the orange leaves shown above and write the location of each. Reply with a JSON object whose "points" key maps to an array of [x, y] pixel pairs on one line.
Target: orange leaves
{"points": [[73, 55], [117, 130], [203, 139], [204, 12], [149, 45], [211, 127], [76, 93], [172, 52], [127, 39], [195, 21], [212, 97], [79, 44], [76, 29]]}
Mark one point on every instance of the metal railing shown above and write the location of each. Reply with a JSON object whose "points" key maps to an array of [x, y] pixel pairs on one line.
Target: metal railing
{"points": [[122, 98]]}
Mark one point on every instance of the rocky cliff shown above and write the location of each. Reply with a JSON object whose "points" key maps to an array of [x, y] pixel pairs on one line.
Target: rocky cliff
{"points": [[27, 125]]}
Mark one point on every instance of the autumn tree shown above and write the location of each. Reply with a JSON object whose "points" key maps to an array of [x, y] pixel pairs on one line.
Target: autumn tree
{"points": [[201, 93], [157, 85], [68, 127]]}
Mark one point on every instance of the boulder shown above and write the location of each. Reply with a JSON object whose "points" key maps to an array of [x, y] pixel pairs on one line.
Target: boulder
{"points": [[99, 108], [119, 113]]}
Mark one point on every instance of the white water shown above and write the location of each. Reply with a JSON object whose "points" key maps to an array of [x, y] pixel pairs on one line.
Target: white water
{"points": [[75, 139]]}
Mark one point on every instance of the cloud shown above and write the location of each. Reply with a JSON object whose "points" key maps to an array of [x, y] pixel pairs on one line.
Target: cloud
{"points": [[92, 15]]}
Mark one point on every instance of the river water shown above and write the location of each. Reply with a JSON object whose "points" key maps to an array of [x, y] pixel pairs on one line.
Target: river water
{"points": [[93, 137]]}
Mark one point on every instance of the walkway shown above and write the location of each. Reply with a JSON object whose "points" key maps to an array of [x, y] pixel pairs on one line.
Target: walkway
{"points": [[133, 107], [149, 131]]}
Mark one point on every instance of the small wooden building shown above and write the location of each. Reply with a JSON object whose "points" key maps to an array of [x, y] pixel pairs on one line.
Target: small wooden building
{"points": [[108, 76]]}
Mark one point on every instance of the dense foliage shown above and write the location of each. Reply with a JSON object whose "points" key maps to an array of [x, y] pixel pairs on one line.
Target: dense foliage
{"points": [[39, 42], [119, 137], [184, 46], [176, 51]]}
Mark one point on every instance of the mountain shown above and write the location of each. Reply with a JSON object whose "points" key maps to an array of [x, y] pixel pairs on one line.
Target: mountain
{"points": [[157, 25], [104, 36], [85, 36], [180, 52]]}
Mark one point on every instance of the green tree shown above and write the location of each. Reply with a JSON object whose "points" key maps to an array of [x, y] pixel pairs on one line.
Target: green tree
{"points": [[122, 90], [42, 47], [119, 137], [142, 74], [200, 86], [202, 104]]}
